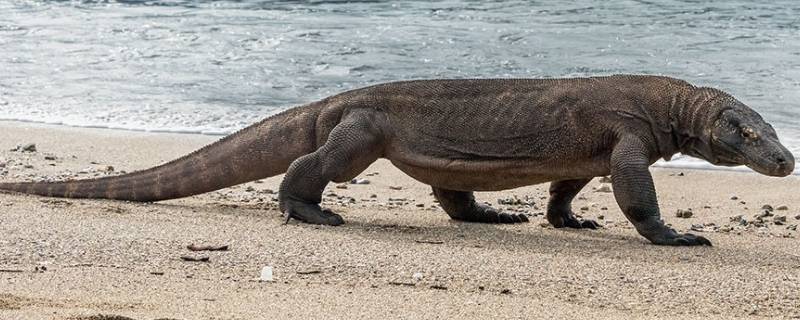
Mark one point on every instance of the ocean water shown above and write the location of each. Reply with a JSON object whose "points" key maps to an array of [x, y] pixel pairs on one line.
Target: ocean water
{"points": [[213, 67]]}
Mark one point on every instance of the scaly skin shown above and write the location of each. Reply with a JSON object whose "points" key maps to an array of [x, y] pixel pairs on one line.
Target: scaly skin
{"points": [[461, 136]]}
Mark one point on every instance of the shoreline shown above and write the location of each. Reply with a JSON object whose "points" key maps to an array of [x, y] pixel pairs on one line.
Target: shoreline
{"points": [[398, 254]]}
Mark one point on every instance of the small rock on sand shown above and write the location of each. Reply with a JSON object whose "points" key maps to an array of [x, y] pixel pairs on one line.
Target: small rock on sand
{"points": [[266, 274], [779, 220], [195, 259], [359, 181], [684, 213], [603, 188], [782, 208], [28, 147], [734, 197], [767, 207], [739, 219], [765, 214]]}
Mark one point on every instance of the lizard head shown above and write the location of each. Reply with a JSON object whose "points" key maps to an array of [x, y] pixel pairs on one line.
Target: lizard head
{"points": [[740, 136]]}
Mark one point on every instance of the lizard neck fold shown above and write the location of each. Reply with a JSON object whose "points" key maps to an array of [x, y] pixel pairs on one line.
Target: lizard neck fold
{"points": [[692, 115]]}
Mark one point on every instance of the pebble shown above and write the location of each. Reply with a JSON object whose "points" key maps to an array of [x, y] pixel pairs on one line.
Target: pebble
{"points": [[779, 220], [605, 179], [767, 207], [341, 186], [684, 213], [266, 274], [765, 214], [584, 208], [734, 197], [604, 188], [28, 147], [359, 181], [417, 276], [49, 157], [797, 217], [601, 217], [782, 207], [516, 201], [195, 258], [395, 187]]}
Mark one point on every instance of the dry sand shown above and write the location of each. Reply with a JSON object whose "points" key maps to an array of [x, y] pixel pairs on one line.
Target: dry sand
{"points": [[394, 259]]}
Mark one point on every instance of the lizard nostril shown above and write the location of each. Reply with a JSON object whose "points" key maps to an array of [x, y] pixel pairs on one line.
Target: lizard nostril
{"points": [[781, 160]]}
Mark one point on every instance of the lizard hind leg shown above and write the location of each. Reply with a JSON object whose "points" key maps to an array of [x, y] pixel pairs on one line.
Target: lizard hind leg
{"points": [[559, 208], [350, 148], [461, 205]]}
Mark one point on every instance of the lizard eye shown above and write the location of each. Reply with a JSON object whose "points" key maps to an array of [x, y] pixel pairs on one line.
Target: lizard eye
{"points": [[749, 133]]}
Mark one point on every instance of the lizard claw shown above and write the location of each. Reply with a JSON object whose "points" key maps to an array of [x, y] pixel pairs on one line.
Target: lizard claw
{"points": [[311, 213]]}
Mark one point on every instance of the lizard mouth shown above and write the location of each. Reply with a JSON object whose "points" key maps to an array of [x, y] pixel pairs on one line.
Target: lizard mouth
{"points": [[775, 160]]}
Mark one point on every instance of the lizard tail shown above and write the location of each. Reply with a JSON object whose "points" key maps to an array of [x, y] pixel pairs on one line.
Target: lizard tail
{"points": [[262, 150]]}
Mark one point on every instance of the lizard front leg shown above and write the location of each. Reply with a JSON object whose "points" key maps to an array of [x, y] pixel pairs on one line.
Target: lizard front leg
{"points": [[636, 195], [559, 208], [461, 205]]}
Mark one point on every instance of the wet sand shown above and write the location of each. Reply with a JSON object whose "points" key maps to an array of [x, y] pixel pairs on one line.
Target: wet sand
{"points": [[398, 256]]}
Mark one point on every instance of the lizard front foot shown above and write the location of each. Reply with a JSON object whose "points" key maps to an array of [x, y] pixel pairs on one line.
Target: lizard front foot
{"points": [[310, 213], [681, 239]]}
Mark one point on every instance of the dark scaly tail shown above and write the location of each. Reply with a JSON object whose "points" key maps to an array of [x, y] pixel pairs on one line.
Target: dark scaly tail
{"points": [[262, 150]]}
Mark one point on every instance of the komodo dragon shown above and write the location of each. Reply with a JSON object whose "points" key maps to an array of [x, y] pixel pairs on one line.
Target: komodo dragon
{"points": [[461, 136]]}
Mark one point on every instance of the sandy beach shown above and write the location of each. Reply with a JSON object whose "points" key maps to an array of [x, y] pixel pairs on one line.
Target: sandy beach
{"points": [[398, 256]]}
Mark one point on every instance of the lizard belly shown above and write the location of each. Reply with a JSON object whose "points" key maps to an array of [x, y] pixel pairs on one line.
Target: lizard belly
{"points": [[493, 175], [472, 179]]}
